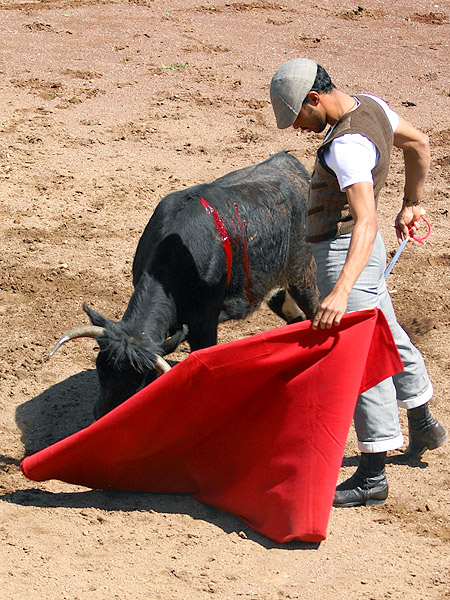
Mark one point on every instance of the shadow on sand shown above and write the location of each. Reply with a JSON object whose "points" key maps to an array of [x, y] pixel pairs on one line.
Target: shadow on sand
{"points": [[392, 459], [59, 411]]}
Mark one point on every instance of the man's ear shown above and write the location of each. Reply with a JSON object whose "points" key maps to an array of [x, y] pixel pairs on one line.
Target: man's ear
{"points": [[313, 98]]}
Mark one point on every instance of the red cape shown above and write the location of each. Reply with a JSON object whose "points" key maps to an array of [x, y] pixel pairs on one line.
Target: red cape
{"points": [[256, 427]]}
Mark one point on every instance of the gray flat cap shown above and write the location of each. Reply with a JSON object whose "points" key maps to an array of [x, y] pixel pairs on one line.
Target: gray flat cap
{"points": [[289, 87]]}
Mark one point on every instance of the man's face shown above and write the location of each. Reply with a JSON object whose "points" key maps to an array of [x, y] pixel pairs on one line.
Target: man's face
{"points": [[310, 118]]}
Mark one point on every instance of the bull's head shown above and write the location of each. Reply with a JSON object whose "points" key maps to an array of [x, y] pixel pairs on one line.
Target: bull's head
{"points": [[125, 364]]}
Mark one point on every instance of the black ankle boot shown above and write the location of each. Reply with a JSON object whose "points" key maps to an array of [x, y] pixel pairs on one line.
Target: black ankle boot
{"points": [[367, 486], [425, 433]]}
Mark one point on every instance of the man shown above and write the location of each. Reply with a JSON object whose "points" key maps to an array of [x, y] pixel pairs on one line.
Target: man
{"points": [[351, 168]]}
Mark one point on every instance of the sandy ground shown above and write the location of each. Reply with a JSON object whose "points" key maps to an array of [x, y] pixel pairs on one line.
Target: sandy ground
{"points": [[107, 106]]}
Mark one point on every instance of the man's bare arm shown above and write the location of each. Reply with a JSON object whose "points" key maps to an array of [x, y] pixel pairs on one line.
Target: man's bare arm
{"points": [[416, 154], [362, 207]]}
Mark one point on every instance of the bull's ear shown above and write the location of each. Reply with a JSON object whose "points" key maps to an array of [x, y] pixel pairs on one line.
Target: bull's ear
{"points": [[95, 317]]}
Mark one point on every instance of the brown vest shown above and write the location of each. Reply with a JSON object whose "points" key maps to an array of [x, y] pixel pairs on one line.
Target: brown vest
{"points": [[328, 211]]}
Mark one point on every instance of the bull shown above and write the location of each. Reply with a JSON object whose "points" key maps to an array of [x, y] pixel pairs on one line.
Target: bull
{"points": [[209, 253]]}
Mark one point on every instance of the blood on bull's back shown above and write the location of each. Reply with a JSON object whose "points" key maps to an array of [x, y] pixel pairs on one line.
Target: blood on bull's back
{"points": [[246, 230]]}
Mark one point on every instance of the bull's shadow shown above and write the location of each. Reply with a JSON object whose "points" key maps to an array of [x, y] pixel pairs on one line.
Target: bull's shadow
{"points": [[59, 411], [66, 408]]}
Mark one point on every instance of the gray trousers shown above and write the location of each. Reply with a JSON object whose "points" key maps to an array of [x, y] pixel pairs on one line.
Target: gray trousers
{"points": [[376, 415]]}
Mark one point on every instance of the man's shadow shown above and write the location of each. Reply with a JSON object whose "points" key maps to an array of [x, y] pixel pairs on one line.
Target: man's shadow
{"points": [[392, 459], [64, 409]]}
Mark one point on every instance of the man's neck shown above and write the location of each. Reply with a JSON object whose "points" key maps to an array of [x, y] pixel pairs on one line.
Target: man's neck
{"points": [[337, 103]]}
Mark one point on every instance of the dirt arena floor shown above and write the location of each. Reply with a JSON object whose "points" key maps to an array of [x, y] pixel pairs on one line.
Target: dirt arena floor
{"points": [[107, 106]]}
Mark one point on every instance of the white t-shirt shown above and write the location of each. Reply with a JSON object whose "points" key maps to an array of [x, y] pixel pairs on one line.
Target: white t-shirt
{"points": [[352, 156]]}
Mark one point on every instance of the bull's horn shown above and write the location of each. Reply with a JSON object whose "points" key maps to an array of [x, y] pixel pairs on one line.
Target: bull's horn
{"points": [[161, 365], [91, 331]]}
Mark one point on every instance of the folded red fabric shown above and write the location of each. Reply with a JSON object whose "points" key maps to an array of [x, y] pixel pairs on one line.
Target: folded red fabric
{"points": [[256, 427]]}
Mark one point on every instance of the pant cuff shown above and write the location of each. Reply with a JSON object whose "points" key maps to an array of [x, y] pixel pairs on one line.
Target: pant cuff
{"points": [[419, 400], [381, 445]]}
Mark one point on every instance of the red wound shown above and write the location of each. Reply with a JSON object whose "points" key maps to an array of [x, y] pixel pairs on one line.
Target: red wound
{"points": [[226, 242]]}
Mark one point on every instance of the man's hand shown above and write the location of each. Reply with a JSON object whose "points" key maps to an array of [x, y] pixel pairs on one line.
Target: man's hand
{"points": [[405, 222], [331, 310]]}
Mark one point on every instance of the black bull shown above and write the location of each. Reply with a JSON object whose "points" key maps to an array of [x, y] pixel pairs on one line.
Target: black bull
{"points": [[209, 253]]}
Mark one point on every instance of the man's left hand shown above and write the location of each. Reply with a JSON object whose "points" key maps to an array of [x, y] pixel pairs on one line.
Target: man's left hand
{"points": [[331, 310]]}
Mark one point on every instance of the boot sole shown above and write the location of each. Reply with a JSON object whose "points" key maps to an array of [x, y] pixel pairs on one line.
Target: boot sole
{"points": [[367, 503], [436, 444]]}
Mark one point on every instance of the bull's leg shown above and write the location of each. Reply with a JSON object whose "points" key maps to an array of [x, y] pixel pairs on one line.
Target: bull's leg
{"points": [[304, 289], [172, 342], [202, 334], [307, 298], [284, 305]]}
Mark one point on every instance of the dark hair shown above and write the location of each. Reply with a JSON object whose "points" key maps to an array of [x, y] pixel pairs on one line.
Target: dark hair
{"points": [[322, 83]]}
